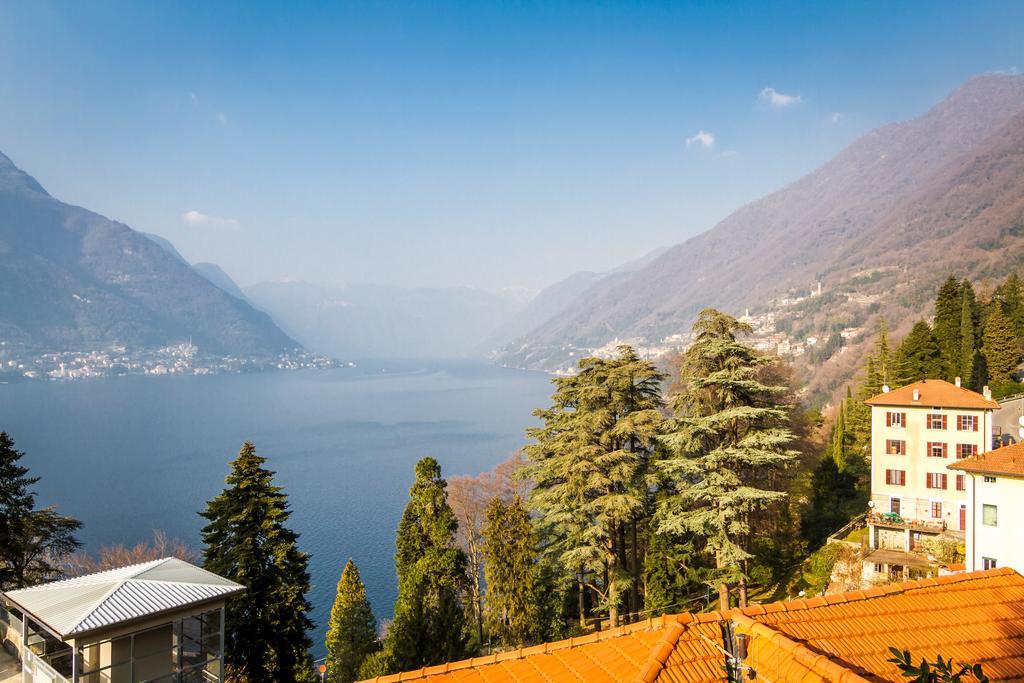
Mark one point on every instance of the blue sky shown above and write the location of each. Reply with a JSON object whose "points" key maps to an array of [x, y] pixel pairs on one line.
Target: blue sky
{"points": [[437, 144]]}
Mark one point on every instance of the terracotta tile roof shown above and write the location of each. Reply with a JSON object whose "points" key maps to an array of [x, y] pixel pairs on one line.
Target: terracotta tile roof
{"points": [[976, 618], [1008, 460], [936, 393], [678, 649]]}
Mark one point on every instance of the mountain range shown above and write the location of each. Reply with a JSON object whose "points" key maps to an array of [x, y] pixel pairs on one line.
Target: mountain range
{"points": [[71, 279], [893, 213]]}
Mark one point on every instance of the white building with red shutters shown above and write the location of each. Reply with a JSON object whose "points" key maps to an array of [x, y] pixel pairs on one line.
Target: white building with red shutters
{"points": [[916, 431]]}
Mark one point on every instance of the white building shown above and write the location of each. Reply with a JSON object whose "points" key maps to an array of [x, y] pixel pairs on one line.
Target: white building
{"points": [[995, 493], [916, 431]]}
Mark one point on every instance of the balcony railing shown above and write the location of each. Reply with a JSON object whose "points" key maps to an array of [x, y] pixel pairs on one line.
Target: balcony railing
{"points": [[895, 521]]}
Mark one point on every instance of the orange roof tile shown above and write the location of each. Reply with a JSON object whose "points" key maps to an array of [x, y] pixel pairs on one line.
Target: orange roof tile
{"points": [[976, 618], [1008, 460], [936, 393]]}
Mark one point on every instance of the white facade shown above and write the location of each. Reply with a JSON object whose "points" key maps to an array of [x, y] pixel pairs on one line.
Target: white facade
{"points": [[910, 449], [995, 529]]}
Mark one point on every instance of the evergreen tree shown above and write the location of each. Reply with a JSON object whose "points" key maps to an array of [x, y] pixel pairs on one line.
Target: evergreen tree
{"points": [[672, 571], [968, 368], [246, 540], [510, 570], [837, 449], [352, 630], [919, 355], [1000, 346], [833, 502], [32, 541], [589, 465], [429, 623], [728, 437], [1010, 295], [948, 313]]}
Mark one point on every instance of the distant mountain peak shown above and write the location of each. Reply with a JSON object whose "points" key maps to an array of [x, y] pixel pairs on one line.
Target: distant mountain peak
{"points": [[13, 178]]}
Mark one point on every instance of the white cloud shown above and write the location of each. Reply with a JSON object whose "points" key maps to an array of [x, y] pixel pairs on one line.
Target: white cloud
{"points": [[836, 117], [205, 220], [774, 98], [702, 138]]}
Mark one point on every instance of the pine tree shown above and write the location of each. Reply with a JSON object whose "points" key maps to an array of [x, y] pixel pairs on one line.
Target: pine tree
{"points": [[1000, 346], [352, 630], [32, 541], [588, 466], [948, 313], [919, 355], [510, 570], [728, 437], [429, 623], [247, 540]]}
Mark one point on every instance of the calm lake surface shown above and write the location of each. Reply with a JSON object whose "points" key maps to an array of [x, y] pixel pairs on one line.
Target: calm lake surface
{"points": [[130, 455]]}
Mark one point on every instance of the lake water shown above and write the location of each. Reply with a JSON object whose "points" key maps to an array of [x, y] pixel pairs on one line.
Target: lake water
{"points": [[130, 455]]}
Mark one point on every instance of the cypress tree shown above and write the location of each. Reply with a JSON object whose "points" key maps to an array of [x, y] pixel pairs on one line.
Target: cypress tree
{"points": [[510, 570], [948, 312], [246, 540], [968, 368], [728, 436], [1000, 346], [32, 541], [429, 623], [352, 630], [838, 446]]}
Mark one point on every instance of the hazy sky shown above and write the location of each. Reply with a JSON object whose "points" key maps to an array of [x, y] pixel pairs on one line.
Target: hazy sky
{"points": [[478, 143]]}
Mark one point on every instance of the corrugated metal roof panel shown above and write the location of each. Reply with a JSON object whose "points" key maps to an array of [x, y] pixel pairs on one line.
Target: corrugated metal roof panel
{"points": [[86, 603]]}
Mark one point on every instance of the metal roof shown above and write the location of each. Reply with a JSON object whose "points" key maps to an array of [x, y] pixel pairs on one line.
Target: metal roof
{"points": [[95, 601]]}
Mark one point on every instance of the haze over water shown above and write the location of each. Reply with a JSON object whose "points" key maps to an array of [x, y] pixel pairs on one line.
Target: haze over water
{"points": [[130, 455]]}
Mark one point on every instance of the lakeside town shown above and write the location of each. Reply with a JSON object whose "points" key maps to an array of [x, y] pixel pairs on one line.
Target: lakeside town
{"points": [[119, 361]]}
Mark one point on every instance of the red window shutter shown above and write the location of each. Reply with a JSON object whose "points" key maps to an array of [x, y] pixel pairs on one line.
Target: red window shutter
{"points": [[975, 424], [943, 421], [903, 419], [945, 478], [945, 450], [903, 478], [928, 480], [960, 482], [959, 422], [888, 476], [888, 419]]}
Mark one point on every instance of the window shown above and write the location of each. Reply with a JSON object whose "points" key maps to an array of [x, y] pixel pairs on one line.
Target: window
{"points": [[988, 562], [896, 420], [936, 509], [989, 515], [966, 450], [935, 481], [967, 423], [895, 447], [936, 421], [878, 568], [961, 484], [896, 477], [894, 506], [936, 450], [988, 479]]}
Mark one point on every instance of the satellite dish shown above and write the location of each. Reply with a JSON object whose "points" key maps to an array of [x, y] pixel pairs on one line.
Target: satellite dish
{"points": [[1020, 420], [1021, 432]]}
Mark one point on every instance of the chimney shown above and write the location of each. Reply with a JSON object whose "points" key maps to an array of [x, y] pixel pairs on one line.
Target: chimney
{"points": [[987, 393], [917, 394], [957, 381]]}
